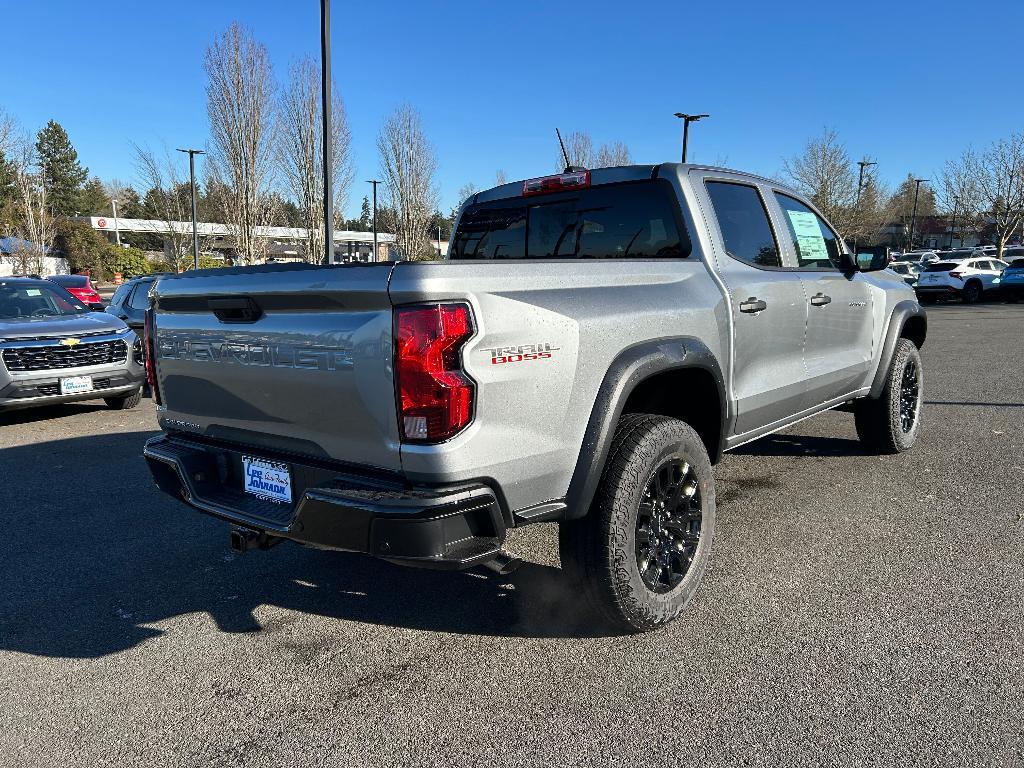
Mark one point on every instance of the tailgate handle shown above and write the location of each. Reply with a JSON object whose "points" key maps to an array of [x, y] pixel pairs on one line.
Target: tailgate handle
{"points": [[241, 309]]}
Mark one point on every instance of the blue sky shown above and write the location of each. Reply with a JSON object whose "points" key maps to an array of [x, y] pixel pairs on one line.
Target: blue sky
{"points": [[910, 83]]}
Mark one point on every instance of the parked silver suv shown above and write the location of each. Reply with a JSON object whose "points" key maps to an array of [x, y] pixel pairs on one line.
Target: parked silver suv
{"points": [[53, 349], [594, 342]]}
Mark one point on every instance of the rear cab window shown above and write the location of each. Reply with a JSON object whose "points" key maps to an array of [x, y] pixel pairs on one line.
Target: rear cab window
{"points": [[631, 220], [743, 222], [942, 266]]}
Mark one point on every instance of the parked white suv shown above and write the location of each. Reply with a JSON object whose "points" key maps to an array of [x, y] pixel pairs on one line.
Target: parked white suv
{"points": [[967, 278]]}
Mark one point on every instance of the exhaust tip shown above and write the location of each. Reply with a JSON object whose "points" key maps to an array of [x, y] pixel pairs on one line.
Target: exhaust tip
{"points": [[503, 563]]}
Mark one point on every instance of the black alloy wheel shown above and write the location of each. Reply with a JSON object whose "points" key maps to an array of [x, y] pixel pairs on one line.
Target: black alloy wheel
{"points": [[910, 391], [668, 525]]}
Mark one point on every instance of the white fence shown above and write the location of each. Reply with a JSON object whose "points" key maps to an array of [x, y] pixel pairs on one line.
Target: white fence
{"points": [[51, 266]]}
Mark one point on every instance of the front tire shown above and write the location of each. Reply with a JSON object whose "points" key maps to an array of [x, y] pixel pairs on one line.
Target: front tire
{"points": [[890, 423], [125, 401], [641, 551]]}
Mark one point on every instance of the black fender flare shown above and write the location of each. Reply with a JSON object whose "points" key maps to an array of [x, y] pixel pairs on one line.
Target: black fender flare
{"points": [[902, 312], [632, 366]]}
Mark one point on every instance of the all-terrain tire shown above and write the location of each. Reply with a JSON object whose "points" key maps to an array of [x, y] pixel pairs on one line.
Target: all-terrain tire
{"points": [[882, 424], [125, 401], [599, 551]]}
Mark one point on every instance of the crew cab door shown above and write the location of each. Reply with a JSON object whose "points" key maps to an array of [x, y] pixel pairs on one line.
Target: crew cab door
{"points": [[767, 302], [838, 345]]}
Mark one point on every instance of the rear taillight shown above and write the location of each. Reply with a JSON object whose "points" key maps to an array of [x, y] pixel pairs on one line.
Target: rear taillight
{"points": [[149, 343], [434, 394], [557, 183], [957, 275]]}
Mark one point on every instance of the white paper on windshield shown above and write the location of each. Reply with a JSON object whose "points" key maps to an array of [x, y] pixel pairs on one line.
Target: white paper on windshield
{"points": [[808, 236], [32, 292]]}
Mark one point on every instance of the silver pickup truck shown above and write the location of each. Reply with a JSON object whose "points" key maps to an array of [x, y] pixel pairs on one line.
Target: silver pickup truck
{"points": [[592, 345]]}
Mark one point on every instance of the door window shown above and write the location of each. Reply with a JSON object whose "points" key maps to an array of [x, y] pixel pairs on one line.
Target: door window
{"points": [[120, 295], [816, 245], [743, 220], [140, 296]]}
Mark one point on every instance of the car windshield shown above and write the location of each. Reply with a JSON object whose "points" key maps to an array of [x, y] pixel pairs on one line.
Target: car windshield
{"points": [[942, 266], [36, 299], [71, 281]]}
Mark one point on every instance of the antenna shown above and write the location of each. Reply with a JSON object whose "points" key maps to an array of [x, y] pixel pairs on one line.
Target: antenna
{"points": [[568, 165]]}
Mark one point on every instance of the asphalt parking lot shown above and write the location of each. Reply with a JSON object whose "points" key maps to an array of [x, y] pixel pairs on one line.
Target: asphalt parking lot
{"points": [[857, 610]]}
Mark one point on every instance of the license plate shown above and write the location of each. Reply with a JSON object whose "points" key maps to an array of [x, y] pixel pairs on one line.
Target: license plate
{"points": [[267, 479], [76, 385]]}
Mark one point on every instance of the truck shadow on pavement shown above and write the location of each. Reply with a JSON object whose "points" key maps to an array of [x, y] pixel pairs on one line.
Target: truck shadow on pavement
{"points": [[784, 444], [94, 556]]}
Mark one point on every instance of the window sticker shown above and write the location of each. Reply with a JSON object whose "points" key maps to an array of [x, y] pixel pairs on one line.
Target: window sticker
{"points": [[33, 292], [808, 236]]}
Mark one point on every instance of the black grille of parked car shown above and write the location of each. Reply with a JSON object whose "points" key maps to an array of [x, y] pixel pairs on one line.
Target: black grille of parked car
{"points": [[53, 357]]}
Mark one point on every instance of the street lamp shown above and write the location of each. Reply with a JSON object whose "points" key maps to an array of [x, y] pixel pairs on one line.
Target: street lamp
{"points": [[325, 97], [687, 119], [374, 182], [117, 230], [952, 223], [438, 241], [913, 216], [192, 181], [860, 181]]}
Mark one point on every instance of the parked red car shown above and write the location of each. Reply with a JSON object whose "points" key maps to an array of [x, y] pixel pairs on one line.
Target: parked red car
{"points": [[80, 286]]}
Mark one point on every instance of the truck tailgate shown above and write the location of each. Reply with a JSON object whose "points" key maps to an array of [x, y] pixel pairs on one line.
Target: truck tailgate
{"points": [[292, 358]]}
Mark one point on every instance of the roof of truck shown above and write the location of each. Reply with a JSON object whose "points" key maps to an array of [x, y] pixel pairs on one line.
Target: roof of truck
{"points": [[611, 175]]}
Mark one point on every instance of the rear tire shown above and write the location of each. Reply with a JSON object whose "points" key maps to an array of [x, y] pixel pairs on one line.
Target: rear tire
{"points": [[641, 551], [971, 292], [890, 423], [125, 401]]}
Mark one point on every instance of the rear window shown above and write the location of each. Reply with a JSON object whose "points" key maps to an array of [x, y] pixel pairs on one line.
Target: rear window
{"points": [[614, 221], [71, 281], [1016, 266], [942, 266]]}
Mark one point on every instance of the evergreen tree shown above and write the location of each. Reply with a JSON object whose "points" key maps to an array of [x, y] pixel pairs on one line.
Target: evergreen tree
{"points": [[366, 215], [93, 200], [62, 173]]}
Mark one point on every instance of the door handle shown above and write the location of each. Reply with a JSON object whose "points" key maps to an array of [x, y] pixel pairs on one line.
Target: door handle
{"points": [[752, 305], [820, 300]]}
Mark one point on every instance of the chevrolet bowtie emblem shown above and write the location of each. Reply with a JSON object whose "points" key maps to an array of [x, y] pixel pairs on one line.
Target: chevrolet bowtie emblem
{"points": [[70, 342]]}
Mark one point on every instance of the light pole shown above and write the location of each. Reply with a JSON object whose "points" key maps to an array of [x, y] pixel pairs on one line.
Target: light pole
{"points": [[325, 96], [687, 119], [438, 241], [913, 216], [952, 224], [860, 187], [192, 181], [860, 181], [374, 182], [117, 230]]}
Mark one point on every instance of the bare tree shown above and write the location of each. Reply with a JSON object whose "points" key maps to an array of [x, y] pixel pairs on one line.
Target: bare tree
{"points": [[300, 150], [580, 149], [8, 129], [500, 177], [35, 225], [614, 154], [160, 175], [824, 172], [466, 191], [989, 185], [408, 164], [240, 106]]}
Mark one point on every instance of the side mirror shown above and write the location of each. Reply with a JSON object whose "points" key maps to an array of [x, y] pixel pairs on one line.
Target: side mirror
{"points": [[872, 259]]}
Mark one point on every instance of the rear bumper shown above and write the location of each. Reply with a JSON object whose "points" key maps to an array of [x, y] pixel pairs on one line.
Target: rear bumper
{"points": [[442, 527]]}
